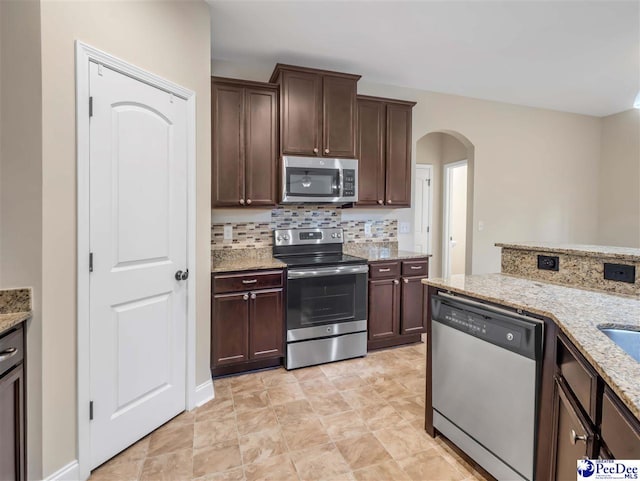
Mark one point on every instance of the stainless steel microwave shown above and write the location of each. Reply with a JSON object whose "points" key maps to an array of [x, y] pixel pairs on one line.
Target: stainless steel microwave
{"points": [[319, 180]]}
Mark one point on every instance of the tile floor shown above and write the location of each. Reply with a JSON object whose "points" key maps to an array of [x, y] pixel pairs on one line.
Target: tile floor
{"points": [[360, 419]]}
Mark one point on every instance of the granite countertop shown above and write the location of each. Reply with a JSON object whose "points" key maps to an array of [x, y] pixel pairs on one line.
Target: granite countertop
{"points": [[15, 307], [7, 321], [577, 312], [228, 260], [612, 252], [383, 254]]}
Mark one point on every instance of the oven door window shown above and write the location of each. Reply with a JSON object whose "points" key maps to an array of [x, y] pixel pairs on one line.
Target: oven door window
{"points": [[326, 300], [303, 182]]}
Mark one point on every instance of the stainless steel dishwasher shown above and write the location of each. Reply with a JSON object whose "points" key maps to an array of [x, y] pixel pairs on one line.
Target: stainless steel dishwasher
{"points": [[486, 364]]}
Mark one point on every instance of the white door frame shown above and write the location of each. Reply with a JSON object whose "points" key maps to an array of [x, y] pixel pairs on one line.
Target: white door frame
{"points": [[429, 169], [84, 55], [446, 215]]}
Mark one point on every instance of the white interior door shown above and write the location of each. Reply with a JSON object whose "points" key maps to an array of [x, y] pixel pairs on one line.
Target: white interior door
{"points": [[423, 209], [138, 239]]}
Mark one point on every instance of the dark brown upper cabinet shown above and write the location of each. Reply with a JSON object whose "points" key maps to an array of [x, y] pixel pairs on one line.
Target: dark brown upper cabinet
{"points": [[244, 128], [384, 151], [317, 111]]}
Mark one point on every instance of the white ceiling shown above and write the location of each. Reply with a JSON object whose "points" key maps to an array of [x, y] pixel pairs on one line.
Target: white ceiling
{"points": [[575, 56]]}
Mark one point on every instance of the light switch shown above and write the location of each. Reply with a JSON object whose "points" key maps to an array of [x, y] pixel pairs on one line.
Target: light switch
{"points": [[228, 232]]}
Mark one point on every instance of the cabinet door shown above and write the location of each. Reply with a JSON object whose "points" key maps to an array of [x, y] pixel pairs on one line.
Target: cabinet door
{"points": [[573, 437], [227, 143], [338, 116], [230, 329], [384, 308], [620, 430], [12, 414], [370, 152], [301, 109], [261, 146], [398, 155], [413, 318], [266, 324]]}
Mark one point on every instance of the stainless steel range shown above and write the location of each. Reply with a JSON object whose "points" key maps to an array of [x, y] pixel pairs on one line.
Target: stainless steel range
{"points": [[326, 297]]}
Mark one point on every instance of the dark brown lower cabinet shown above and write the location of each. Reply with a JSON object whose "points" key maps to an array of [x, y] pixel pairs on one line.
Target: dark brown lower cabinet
{"points": [[397, 308], [573, 436], [12, 410], [384, 297], [620, 431], [247, 326]]}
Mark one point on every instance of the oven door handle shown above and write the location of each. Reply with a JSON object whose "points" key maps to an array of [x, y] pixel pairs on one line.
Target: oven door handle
{"points": [[326, 271]]}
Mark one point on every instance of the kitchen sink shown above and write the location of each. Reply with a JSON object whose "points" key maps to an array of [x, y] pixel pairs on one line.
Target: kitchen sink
{"points": [[627, 339]]}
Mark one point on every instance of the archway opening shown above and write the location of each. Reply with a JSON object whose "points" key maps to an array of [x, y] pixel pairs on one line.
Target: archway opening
{"points": [[449, 156]]}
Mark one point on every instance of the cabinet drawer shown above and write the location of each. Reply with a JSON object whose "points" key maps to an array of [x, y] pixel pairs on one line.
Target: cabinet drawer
{"points": [[11, 350], [415, 268], [381, 270], [247, 281], [580, 377], [620, 430]]}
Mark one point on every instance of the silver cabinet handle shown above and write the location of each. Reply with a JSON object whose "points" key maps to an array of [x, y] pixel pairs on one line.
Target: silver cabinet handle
{"points": [[8, 353], [406, 281], [245, 297], [326, 151], [241, 201], [396, 281], [386, 269], [327, 271], [576, 437], [252, 281], [248, 201], [315, 150], [415, 268], [253, 296]]}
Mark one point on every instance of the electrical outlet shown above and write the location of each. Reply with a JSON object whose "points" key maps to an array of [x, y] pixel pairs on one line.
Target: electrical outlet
{"points": [[367, 229], [405, 228], [228, 232], [620, 272], [549, 263]]}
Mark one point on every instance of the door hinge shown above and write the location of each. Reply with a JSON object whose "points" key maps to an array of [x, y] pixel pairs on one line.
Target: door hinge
{"points": [[90, 261], [428, 229], [429, 182], [90, 410], [90, 106]]}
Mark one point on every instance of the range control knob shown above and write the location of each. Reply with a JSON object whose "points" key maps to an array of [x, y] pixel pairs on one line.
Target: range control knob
{"points": [[286, 237], [279, 238], [339, 235], [333, 236]]}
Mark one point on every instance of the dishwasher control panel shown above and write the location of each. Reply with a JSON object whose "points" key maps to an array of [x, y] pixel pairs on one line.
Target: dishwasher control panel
{"points": [[514, 333]]}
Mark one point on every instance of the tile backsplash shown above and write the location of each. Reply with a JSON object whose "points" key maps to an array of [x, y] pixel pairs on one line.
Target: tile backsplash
{"points": [[259, 234]]}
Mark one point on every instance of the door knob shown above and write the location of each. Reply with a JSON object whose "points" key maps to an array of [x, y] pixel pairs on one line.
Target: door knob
{"points": [[241, 201], [248, 201], [245, 297], [406, 281], [396, 281], [389, 201], [576, 437], [326, 151], [182, 276], [253, 296], [315, 150], [380, 202]]}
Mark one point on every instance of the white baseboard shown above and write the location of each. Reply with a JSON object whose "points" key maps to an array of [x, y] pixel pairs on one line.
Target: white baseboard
{"points": [[204, 393], [70, 472]]}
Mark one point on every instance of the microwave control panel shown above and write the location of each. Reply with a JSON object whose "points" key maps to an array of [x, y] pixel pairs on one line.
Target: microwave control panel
{"points": [[348, 183]]}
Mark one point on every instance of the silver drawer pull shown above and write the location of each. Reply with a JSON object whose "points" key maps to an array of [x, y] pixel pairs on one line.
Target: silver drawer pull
{"points": [[8, 353], [252, 281], [415, 268], [384, 270], [575, 437]]}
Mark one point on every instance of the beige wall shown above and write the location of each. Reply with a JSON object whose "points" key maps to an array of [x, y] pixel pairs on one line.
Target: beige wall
{"points": [[619, 206], [170, 39], [21, 189], [535, 171]]}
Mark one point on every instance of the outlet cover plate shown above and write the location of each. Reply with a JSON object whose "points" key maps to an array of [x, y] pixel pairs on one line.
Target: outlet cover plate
{"points": [[405, 228], [228, 232], [620, 272]]}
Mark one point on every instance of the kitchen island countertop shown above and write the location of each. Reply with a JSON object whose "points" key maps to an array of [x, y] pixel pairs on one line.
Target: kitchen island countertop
{"points": [[578, 314]]}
